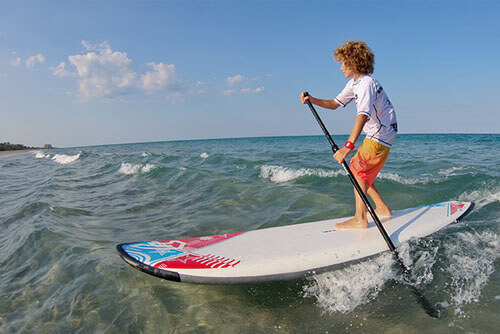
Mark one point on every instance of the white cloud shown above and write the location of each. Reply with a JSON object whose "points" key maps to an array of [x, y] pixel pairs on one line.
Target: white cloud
{"points": [[164, 77], [61, 71], [251, 91], [199, 88], [175, 97], [15, 62], [90, 47], [237, 79], [229, 92], [102, 74], [33, 60]]}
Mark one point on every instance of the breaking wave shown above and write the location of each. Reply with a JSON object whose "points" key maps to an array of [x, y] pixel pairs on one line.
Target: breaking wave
{"points": [[281, 174], [64, 159], [131, 169], [41, 155]]}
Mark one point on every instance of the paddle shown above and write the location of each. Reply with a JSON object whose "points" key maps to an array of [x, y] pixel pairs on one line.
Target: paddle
{"points": [[426, 305]]}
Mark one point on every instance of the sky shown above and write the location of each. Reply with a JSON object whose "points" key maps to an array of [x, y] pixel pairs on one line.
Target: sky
{"points": [[79, 73]]}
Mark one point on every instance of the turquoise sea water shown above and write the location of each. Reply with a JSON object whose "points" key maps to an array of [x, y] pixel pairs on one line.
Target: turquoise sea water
{"points": [[63, 211]]}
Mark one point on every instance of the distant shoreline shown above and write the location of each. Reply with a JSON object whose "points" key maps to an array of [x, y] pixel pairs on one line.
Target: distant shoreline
{"points": [[9, 152]]}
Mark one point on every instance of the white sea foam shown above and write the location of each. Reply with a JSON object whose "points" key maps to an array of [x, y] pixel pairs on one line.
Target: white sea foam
{"points": [[345, 289], [146, 154], [453, 171], [284, 174], [472, 256], [425, 179], [281, 174], [148, 167], [64, 159], [41, 155], [204, 155], [131, 169], [442, 175], [481, 197], [420, 259]]}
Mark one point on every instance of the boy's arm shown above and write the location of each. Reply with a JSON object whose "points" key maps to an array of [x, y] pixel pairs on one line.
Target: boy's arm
{"points": [[328, 104], [342, 153]]}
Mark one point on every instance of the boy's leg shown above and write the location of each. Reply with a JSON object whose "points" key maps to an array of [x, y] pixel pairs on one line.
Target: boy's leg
{"points": [[365, 165], [360, 217], [359, 220], [381, 209]]}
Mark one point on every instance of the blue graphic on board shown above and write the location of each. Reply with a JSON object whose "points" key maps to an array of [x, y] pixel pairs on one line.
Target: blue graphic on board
{"points": [[151, 252]]}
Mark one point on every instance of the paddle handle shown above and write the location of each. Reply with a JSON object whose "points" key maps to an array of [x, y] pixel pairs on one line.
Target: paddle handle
{"points": [[334, 146]]}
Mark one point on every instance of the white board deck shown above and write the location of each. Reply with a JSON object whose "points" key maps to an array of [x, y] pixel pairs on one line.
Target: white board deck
{"points": [[285, 252]]}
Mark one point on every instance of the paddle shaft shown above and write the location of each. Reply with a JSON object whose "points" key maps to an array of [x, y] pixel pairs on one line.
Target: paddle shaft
{"points": [[426, 305]]}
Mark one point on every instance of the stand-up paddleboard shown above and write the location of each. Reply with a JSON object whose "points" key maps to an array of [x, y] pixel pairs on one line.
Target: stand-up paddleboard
{"points": [[285, 252]]}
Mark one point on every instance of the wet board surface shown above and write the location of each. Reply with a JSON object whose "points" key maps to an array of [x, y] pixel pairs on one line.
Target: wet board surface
{"points": [[285, 252]]}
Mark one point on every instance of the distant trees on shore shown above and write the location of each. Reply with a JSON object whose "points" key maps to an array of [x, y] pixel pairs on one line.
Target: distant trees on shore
{"points": [[16, 147], [13, 147]]}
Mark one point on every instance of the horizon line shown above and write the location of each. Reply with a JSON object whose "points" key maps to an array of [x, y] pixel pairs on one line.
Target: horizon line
{"points": [[270, 136]]}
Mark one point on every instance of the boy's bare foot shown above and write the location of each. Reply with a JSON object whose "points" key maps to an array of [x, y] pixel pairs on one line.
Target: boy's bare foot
{"points": [[383, 213], [352, 223]]}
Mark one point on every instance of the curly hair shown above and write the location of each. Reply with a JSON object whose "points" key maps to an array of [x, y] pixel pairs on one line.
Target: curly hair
{"points": [[356, 55]]}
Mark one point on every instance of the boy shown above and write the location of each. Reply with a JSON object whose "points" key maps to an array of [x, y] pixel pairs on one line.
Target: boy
{"points": [[375, 116]]}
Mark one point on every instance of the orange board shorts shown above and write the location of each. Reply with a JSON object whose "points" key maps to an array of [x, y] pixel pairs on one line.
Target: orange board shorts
{"points": [[369, 160]]}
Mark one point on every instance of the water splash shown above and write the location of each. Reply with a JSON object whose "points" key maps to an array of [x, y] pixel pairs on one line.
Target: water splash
{"points": [[346, 289], [482, 197], [472, 256]]}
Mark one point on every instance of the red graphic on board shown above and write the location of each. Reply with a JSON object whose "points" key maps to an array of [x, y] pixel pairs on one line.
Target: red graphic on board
{"points": [[188, 259], [455, 207], [197, 261]]}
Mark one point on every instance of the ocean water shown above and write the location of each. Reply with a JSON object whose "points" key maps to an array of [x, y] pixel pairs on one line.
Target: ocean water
{"points": [[64, 210]]}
